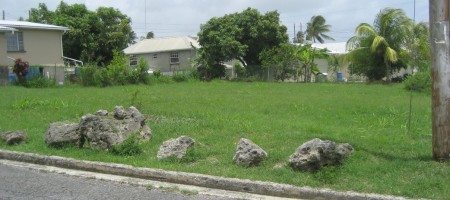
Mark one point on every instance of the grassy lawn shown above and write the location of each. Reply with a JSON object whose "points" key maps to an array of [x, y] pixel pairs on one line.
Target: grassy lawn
{"points": [[278, 117]]}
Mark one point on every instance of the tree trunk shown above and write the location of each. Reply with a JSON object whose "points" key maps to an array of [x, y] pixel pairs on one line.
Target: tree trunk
{"points": [[440, 72]]}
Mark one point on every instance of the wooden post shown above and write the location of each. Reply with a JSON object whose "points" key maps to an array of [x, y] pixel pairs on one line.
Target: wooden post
{"points": [[440, 73]]}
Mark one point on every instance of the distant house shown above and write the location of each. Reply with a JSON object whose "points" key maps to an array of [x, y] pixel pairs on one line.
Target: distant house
{"points": [[342, 73], [169, 54], [39, 44]]}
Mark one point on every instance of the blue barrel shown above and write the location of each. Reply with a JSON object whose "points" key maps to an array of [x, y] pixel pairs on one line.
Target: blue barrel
{"points": [[339, 76], [12, 78], [77, 71]]}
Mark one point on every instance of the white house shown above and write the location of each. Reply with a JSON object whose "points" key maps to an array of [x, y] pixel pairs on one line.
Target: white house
{"points": [[337, 48], [168, 54]]}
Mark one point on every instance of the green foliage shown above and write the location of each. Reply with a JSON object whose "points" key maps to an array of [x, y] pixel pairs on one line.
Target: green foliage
{"points": [[39, 82], [150, 35], [377, 51], [306, 55], [421, 81], [282, 59], [102, 78], [93, 35], [87, 74], [118, 70], [316, 29], [157, 73], [180, 77], [241, 36], [141, 72], [239, 70], [161, 79], [116, 73], [129, 147]]}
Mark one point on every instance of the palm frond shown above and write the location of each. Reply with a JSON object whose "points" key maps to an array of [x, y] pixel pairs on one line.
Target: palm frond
{"points": [[378, 42], [391, 55]]}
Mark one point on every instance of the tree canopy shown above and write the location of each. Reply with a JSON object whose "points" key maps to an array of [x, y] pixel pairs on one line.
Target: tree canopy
{"points": [[378, 50], [316, 29], [241, 36], [93, 36]]}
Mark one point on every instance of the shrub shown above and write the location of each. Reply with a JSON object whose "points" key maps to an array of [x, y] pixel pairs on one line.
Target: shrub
{"points": [[87, 75], [180, 77], [129, 147], [157, 73], [39, 82], [102, 78], [420, 81], [141, 72]]}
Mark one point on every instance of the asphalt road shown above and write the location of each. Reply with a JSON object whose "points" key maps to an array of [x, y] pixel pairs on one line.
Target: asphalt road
{"points": [[24, 183]]}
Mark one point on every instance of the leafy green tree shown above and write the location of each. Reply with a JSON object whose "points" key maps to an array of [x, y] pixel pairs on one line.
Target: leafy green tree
{"points": [[150, 35], [317, 28], [93, 36], [307, 55], [241, 36], [376, 51], [419, 47], [283, 60]]}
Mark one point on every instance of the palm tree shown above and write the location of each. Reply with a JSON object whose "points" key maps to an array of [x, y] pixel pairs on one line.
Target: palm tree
{"points": [[316, 29], [385, 40]]}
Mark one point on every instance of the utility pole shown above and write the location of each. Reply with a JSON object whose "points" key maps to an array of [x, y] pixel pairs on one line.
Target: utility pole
{"points": [[440, 74]]}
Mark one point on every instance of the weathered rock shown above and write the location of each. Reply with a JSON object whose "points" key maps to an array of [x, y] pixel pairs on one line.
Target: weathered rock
{"points": [[316, 153], [248, 153], [60, 134], [102, 132], [119, 112], [176, 148], [14, 137], [101, 113]]}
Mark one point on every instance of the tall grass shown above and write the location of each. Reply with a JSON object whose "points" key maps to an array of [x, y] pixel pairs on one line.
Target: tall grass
{"points": [[278, 117]]}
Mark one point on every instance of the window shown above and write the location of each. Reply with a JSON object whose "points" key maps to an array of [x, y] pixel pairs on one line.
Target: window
{"points": [[15, 41], [133, 60], [174, 57], [155, 55]]}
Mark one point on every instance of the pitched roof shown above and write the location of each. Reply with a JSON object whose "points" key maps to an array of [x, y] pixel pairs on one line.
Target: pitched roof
{"points": [[333, 48], [6, 29], [30, 25], [162, 45]]}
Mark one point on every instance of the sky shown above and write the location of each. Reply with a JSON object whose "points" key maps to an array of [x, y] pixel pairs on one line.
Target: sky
{"points": [[167, 18]]}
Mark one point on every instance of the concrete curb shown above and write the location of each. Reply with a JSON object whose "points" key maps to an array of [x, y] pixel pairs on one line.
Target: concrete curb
{"points": [[233, 184]]}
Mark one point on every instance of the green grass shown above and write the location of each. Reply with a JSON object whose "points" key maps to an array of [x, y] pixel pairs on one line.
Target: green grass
{"points": [[278, 117]]}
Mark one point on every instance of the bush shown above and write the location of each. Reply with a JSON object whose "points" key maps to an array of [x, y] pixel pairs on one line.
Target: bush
{"points": [[102, 78], [180, 77], [39, 82], [157, 73], [87, 75], [420, 81], [116, 73], [129, 147]]}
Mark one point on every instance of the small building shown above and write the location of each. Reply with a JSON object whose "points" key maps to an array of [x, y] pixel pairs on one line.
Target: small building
{"points": [[168, 54], [340, 73], [38, 44]]}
